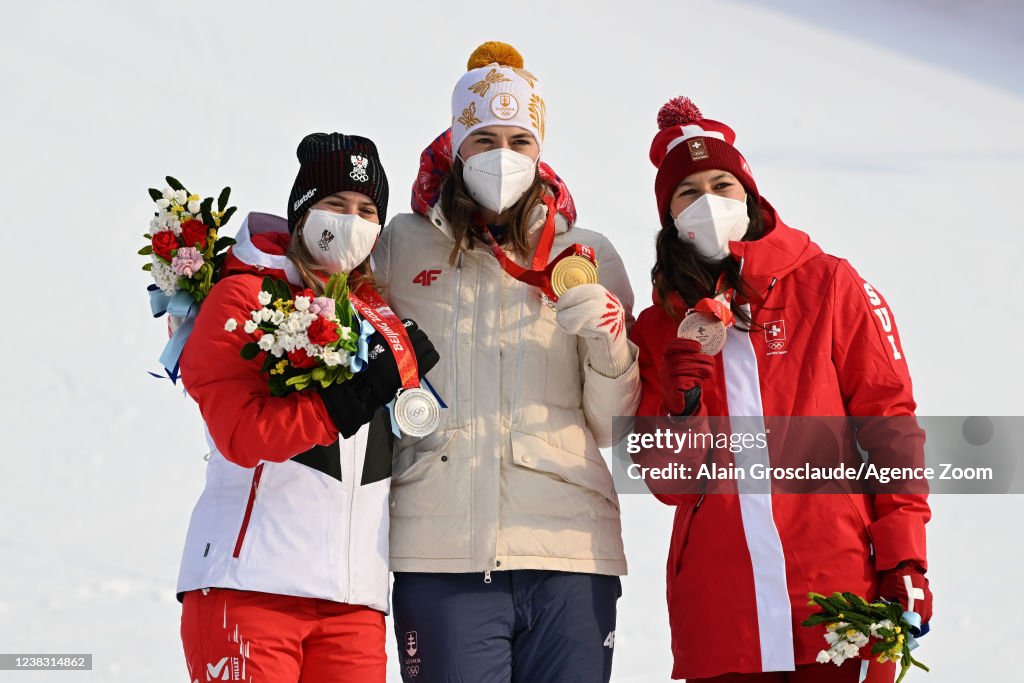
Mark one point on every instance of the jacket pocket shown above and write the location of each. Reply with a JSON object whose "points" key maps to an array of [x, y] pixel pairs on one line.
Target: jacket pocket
{"points": [[535, 453], [413, 460], [256, 476]]}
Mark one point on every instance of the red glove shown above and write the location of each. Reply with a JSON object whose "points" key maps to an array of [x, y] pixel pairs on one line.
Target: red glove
{"points": [[684, 371], [894, 588]]}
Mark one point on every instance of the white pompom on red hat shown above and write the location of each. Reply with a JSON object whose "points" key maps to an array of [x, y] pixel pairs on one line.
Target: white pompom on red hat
{"points": [[688, 143]]}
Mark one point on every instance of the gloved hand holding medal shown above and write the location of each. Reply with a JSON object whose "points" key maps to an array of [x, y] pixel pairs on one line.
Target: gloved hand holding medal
{"points": [[708, 322]]}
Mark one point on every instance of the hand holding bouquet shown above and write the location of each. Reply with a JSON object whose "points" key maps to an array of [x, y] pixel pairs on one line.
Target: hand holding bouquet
{"points": [[307, 339], [852, 624]]}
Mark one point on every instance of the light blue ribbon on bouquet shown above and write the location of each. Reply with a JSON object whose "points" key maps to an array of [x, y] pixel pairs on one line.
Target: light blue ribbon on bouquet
{"points": [[183, 306], [357, 361]]}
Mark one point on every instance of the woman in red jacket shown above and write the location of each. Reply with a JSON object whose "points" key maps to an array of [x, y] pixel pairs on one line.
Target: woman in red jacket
{"points": [[284, 575], [808, 337]]}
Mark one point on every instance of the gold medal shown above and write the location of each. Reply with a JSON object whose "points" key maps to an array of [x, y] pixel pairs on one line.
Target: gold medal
{"points": [[703, 328], [571, 271], [417, 412]]}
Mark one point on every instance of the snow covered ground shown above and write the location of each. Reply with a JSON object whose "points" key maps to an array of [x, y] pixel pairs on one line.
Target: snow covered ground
{"points": [[888, 130]]}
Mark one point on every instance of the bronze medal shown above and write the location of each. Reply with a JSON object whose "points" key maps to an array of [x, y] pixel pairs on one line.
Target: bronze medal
{"points": [[703, 328]]}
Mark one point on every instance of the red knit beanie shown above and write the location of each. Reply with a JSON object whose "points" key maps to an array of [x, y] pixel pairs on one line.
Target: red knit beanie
{"points": [[688, 143]]}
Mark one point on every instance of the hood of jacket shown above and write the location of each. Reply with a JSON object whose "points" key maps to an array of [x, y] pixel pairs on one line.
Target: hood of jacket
{"points": [[436, 162], [259, 249]]}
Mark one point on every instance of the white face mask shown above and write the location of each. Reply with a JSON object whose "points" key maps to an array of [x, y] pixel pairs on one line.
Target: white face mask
{"points": [[338, 242], [498, 178], [710, 223]]}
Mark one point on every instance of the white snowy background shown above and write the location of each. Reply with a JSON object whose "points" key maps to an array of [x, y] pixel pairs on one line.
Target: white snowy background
{"points": [[889, 130]]}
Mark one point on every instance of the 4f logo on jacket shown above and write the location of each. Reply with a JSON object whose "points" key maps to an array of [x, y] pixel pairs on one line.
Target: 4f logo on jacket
{"points": [[882, 311], [426, 277]]}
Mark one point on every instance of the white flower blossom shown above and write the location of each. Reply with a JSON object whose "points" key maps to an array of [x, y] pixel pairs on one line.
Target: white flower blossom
{"points": [[277, 318], [168, 194], [331, 357], [193, 207], [302, 303], [230, 324], [162, 203], [181, 197], [174, 225], [831, 637], [823, 657], [266, 314], [346, 332], [165, 278], [266, 342], [264, 298], [250, 326], [850, 650]]}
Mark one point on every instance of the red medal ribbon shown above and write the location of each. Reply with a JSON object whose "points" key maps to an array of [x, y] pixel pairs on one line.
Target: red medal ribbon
{"points": [[719, 307], [372, 306], [540, 275]]}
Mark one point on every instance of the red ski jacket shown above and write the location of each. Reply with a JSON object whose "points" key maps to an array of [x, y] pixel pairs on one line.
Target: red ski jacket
{"points": [[740, 565]]}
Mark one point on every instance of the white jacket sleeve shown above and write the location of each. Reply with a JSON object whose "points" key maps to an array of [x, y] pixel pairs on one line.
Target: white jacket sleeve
{"points": [[606, 397]]}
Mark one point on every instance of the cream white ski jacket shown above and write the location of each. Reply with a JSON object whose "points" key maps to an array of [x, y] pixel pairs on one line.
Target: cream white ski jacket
{"points": [[513, 478]]}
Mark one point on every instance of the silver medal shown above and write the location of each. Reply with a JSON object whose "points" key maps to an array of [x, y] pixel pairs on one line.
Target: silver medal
{"points": [[417, 412]]}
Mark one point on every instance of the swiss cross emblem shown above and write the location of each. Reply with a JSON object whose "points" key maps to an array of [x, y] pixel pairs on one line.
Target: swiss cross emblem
{"points": [[775, 334], [698, 150]]}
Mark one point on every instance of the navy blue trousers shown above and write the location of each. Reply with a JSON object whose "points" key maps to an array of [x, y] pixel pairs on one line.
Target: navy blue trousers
{"points": [[525, 626]]}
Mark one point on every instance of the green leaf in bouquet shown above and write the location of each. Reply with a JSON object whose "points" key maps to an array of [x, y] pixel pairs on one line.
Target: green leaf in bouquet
{"points": [[279, 385], [223, 243], [222, 200], [147, 267], [205, 210], [282, 290], [175, 185], [299, 382], [250, 351], [148, 236], [155, 194], [857, 601], [268, 285], [319, 373], [146, 250], [227, 216]]}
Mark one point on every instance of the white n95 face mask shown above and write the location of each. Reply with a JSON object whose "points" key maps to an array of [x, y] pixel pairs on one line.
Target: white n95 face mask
{"points": [[710, 223], [338, 242], [498, 178]]}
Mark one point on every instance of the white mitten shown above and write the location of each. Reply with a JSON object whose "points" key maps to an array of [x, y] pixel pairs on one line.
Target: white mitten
{"points": [[592, 312]]}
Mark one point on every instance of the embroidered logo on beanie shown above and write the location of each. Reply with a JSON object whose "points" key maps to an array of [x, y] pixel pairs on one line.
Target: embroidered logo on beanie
{"points": [[697, 149], [359, 166], [497, 90]]}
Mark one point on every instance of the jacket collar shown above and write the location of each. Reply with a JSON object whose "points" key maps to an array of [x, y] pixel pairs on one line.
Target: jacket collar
{"points": [[259, 249]]}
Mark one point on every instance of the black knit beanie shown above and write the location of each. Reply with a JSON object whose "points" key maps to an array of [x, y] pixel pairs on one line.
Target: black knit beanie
{"points": [[334, 162]]}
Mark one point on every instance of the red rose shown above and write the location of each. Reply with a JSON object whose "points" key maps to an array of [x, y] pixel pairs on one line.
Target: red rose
{"points": [[322, 331], [164, 242], [300, 359], [308, 293], [193, 233]]}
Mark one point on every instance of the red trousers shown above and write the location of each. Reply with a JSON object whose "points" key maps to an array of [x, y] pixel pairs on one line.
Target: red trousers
{"points": [[232, 635], [849, 672]]}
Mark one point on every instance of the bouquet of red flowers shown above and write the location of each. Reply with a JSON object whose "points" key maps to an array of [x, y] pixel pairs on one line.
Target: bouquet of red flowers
{"points": [[184, 248], [307, 339]]}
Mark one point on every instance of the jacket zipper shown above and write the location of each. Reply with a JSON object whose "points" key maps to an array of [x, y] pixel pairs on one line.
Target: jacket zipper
{"points": [[519, 354], [453, 356], [487, 576], [248, 509]]}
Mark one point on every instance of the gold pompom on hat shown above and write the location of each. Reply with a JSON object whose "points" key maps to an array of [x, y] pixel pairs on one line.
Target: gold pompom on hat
{"points": [[497, 90]]}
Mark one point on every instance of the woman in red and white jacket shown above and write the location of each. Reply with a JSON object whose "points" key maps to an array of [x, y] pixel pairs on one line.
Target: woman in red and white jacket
{"points": [[810, 338], [284, 575]]}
